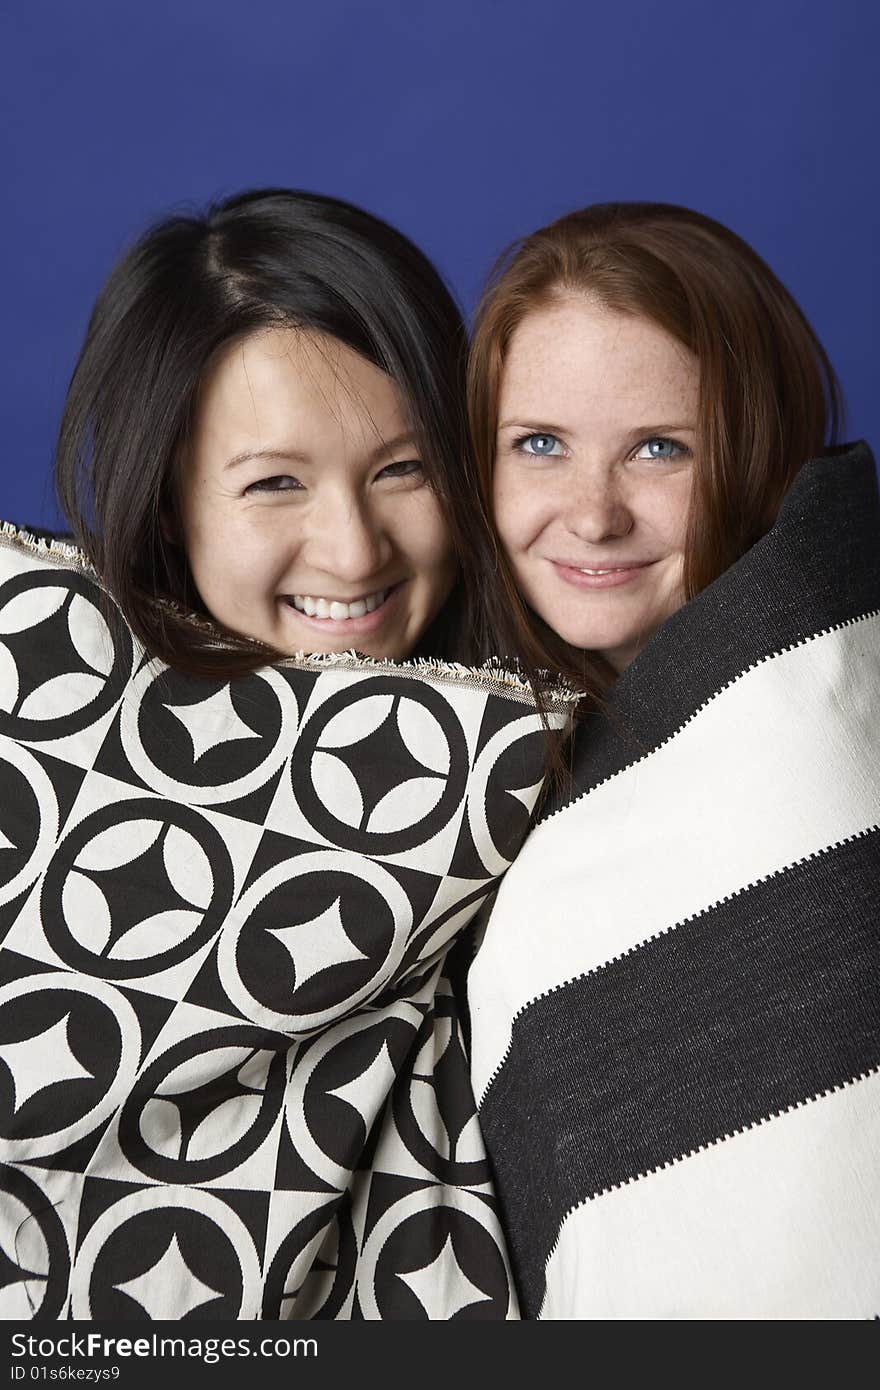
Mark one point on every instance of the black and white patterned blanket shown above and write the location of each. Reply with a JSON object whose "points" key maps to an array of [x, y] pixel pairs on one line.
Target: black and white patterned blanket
{"points": [[232, 1084], [676, 1006]]}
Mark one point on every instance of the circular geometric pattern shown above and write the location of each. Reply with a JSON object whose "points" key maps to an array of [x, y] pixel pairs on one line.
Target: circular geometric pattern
{"points": [[381, 766], [167, 1253], [178, 1125], [329, 1276], [440, 1260], [339, 1086], [90, 1032], [456, 905], [136, 888], [62, 667], [206, 742], [307, 1144], [319, 934], [503, 789], [28, 820], [433, 1102], [35, 1270]]}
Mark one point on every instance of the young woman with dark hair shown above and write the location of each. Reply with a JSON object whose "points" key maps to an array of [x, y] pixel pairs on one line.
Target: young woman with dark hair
{"points": [[244, 832], [674, 1048], [240, 335]]}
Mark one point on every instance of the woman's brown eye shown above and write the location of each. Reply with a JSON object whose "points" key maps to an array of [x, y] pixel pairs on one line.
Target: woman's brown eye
{"points": [[280, 482], [406, 468]]}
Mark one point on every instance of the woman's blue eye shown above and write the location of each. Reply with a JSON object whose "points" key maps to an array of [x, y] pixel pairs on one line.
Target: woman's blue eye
{"points": [[662, 449], [541, 445]]}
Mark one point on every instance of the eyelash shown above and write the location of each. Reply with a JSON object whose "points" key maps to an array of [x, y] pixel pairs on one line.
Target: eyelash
{"points": [[411, 467], [535, 434], [682, 449], [265, 484]]}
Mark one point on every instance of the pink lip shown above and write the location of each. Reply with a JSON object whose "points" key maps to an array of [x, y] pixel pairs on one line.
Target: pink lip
{"points": [[612, 579], [355, 627]]}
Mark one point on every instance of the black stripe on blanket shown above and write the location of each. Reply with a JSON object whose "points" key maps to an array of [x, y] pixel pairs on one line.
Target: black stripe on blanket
{"points": [[717, 1024], [781, 587]]}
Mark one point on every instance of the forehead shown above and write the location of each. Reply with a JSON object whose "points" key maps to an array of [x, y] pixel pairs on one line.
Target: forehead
{"points": [[291, 384], [575, 354]]}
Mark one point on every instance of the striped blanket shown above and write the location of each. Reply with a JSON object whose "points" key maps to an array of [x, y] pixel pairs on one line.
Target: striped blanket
{"points": [[676, 1004]]}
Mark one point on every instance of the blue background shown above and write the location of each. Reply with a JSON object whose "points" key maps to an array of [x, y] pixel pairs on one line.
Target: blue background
{"points": [[466, 123]]}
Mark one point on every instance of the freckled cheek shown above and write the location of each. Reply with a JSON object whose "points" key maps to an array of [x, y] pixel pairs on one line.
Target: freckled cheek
{"points": [[522, 509], [672, 509]]}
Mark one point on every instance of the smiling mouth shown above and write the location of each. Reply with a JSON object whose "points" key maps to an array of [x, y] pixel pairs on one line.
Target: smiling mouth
{"points": [[334, 610], [603, 569], [600, 576]]}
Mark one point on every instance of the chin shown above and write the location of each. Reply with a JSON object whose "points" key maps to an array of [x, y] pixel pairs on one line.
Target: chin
{"points": [[592, 639]]}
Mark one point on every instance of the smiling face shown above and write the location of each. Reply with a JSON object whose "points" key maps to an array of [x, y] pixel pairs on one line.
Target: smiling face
{"points": [[307, 519], [596, 447]]}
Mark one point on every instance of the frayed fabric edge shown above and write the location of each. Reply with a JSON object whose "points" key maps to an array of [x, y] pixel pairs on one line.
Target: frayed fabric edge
{"points": [[492, 674]]}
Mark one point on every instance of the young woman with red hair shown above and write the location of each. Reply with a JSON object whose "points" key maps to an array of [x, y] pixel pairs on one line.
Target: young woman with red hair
{"points": [[674, 1045]]}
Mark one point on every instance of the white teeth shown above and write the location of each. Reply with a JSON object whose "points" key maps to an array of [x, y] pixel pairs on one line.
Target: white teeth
{"points": [[336, 611]]}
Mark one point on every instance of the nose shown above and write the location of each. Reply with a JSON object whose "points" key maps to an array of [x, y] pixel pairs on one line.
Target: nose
{"points": [[346, 539], [596, 508]]}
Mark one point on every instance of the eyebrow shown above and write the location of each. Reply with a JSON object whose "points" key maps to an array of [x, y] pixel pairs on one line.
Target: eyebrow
{"points": [[285, 455], [299, 456], [547, 428]]}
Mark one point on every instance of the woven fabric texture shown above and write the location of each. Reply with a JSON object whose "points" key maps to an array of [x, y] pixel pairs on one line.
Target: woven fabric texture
{"points": [[676, 1004], [232, 1084]]}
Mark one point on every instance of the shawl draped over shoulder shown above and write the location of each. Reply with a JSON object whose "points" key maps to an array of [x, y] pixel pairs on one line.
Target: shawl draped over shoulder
{"points": [[676, 1003], [232, 1083]]}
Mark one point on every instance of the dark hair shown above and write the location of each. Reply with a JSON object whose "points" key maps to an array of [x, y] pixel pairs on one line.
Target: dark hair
{"points": [[769, 399], [193, 284]]}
